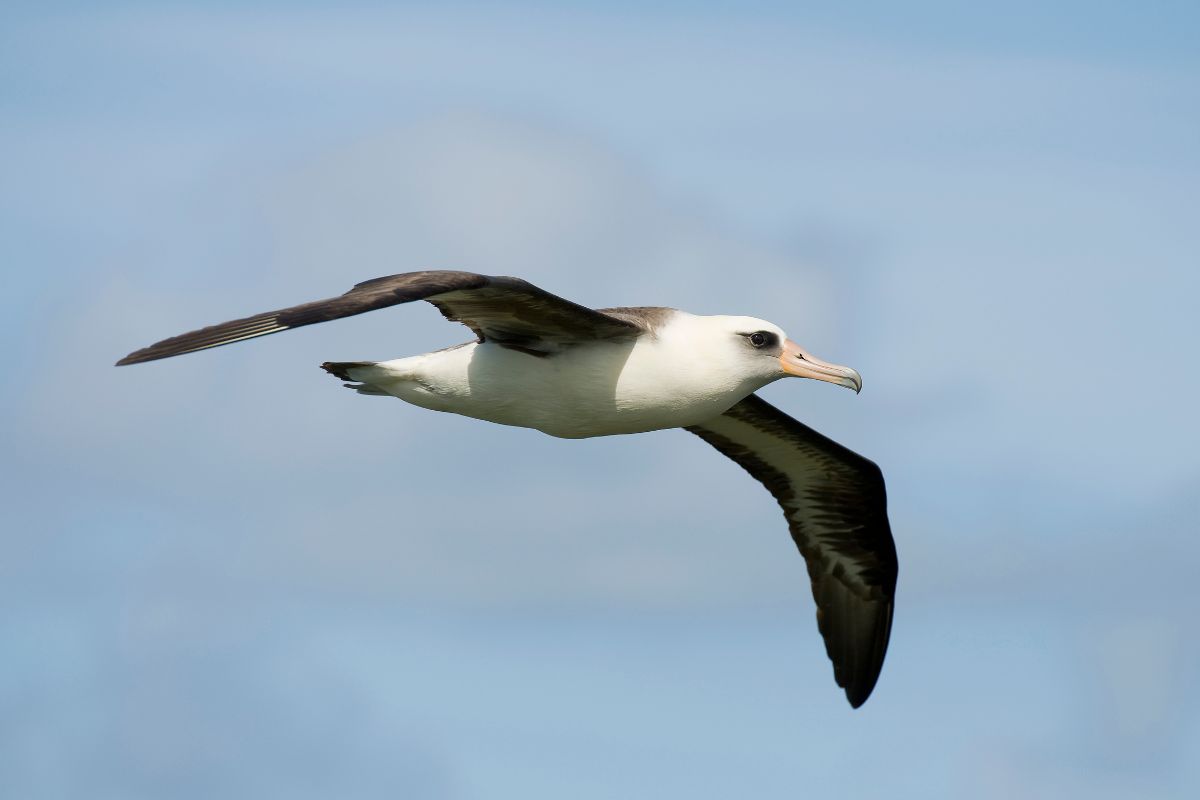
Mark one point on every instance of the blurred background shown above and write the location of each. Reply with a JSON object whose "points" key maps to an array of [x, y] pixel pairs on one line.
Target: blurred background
{"points": [[225, 576]]}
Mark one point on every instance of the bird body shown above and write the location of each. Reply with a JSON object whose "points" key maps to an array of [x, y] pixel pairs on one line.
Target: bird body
{"points": [[543, 362], [690, 370]]}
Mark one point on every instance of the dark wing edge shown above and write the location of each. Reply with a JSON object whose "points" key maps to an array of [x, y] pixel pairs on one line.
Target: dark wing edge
{"points": [[836, 507], [504, 308]]}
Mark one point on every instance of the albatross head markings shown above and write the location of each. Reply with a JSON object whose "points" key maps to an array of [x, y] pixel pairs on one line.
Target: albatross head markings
{"points": [[760, 352]]}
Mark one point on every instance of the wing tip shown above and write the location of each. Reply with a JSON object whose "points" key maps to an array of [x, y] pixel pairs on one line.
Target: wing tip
{"points": [[136, 357], [857, 693], [856, 638], [155, 352]]}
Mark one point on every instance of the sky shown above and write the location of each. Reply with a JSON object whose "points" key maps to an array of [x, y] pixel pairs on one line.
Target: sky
{"points": [[223, 575]]}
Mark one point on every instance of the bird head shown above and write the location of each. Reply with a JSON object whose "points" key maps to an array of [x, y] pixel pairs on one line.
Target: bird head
{"points": [[763, 350]]}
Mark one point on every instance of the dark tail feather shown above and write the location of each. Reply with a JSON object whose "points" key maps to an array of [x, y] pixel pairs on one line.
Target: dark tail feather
{"points": [[340, 369]]}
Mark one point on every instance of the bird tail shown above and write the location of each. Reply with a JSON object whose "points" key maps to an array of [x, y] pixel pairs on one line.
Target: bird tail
{"points": [[344, 370], [354, 371]]}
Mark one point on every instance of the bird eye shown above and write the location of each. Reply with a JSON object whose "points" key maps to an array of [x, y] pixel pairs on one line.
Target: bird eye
{"points": [[760, 339]]}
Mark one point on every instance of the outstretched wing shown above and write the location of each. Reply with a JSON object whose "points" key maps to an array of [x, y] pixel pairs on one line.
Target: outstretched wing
{"points": [[836, 508], [509, 311]]}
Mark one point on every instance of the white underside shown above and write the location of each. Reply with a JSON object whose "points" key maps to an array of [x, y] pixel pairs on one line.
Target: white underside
{"points": [[596, 389]]}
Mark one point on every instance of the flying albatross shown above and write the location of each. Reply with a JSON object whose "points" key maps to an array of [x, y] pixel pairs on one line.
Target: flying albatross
{"points": [[539, 361]]}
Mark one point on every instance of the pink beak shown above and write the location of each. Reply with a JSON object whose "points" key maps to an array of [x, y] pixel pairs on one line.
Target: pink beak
{"points": [[797, 361]]}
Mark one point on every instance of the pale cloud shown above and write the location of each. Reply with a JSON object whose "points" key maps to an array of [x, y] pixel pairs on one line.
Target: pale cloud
{"points": [[470, 190], [352, 491], [259, 426]]}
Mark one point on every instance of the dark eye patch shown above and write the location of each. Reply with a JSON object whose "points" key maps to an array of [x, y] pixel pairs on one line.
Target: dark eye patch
{"points": [[761, 339]]}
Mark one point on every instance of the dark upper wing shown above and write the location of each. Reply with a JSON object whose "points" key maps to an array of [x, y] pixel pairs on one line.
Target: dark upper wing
{"points": [[836, 508], [509, 311]]}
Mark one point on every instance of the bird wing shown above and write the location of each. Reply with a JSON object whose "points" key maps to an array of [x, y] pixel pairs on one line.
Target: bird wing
{"points": [[509, 311], [836, 508]]}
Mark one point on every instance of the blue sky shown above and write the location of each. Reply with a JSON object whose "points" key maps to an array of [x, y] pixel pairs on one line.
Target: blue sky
{"points": [[226, 576]]}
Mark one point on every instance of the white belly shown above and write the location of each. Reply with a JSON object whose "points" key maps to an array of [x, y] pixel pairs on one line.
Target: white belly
{"points": [[591, 390]]}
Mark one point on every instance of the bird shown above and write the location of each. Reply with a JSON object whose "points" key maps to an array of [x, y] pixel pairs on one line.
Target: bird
{"points": [[543, 362]]}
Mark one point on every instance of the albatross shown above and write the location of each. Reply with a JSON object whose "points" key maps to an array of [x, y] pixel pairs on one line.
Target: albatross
{"points": [[540, 361]]}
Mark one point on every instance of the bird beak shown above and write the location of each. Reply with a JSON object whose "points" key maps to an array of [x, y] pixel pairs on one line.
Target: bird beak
{"points": [[797, 361]]}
